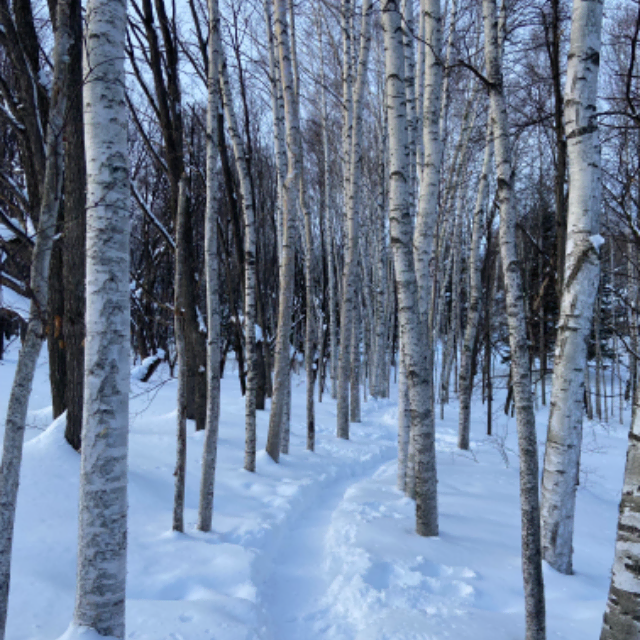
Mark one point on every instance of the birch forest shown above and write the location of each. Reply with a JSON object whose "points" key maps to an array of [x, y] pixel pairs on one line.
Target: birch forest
{"points": [[340, 308]]}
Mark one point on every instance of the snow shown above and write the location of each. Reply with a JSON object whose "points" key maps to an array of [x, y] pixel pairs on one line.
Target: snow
{"points": [[320, 546], [597, 241], [140, 371], [10, 299]]}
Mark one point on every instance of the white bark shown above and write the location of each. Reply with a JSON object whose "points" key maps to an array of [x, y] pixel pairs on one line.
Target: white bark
{"points": [[422, 254], [525, 417], [410, 86], [379, 369], [210, 448], [621, 616], [427, 213], [277, 107], [250, 261], [28, 357], [286, 416], [430, 170], [102, 537], [580, 285], [473, 308], [289, 214], [353, 211], [412, 330], [179, 329], [450, 338], [355, 368], [444, 105], [404, 430], [420, 62]]}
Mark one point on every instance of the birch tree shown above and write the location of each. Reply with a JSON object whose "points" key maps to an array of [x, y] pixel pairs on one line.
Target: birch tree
{"points": [[327, 221], [621, 615], [412, 329], [426, 217], [352, 191], [51, 190], [579, 287], [205, 509], [102, 536], [179, 323], [525, 417], [473, 309], [432, 159], [250, 261], [289, 213]]}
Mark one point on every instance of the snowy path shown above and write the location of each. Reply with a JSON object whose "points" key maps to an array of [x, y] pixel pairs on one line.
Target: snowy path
{"points": [[293, 594]]}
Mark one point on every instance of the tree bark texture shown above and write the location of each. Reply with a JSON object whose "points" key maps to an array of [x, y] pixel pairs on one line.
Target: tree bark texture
{"points": [[289, 215], [621, 616], [473, 309], [412, 330], [73, 259], [210, 448], [248, 210], [525, 417], [580, 285], [349, 289], [179, 328], [55, 315], [102, 536]]}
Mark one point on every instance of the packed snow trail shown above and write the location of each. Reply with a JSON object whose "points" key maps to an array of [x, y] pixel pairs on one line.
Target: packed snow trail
{"points": [[293, 594]]}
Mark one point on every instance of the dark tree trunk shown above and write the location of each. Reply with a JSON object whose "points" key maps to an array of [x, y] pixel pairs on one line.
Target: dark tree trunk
{"points": [[73, 266], [261, 377], [196, 390], [55, 339]]}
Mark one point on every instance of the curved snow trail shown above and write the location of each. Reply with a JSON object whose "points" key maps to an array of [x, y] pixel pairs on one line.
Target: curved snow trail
{"points": [[293, 593]]}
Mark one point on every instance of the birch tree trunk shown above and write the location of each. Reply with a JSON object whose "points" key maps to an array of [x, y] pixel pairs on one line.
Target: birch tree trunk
{"points": [[39, 277], [102, 537], [422, 252], [404, 484], [289, 213], [580, 285], [356, 326], [351, 258], [328, 226], [210, 448], [412, 329], [525, 417], [450, 337], [621, 616], [250, 263], [473, 310], [179, 320], [310, 312], [430, 170], [310, 307], [343, 360], [410, 86], [381, 289], [277, 107]]}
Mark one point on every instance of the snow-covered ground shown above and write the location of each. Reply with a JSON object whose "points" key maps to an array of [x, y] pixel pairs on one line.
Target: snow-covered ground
{"points": [[319, 546]]}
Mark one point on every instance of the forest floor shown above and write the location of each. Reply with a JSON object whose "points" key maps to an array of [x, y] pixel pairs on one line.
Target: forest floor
{"points": [[321, 545]]}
